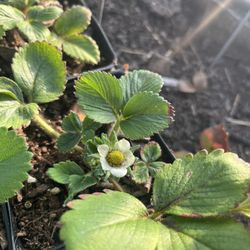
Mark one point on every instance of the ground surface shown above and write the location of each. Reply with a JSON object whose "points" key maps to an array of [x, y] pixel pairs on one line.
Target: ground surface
{"points": [[142, 32]]}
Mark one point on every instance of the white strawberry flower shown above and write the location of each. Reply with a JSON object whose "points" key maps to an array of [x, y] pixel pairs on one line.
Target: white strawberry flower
{"points": [[117, 159]]}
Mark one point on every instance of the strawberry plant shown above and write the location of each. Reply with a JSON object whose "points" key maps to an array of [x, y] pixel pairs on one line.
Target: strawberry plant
{"points": [[40, 22], [193, 200], [133, 109]]}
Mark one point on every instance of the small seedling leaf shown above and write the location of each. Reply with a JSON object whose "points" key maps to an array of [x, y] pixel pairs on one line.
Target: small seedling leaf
{"points": [[151, 152], [62, 171]]}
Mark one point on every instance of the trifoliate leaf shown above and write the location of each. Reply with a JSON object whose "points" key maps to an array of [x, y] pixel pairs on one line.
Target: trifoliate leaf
{"points": [[14, 163], [2, 32], [81, 47], [202, 185], [40, 72], [99, 95], [243, 208], [13, 111], [119, 221], [73, 21], [140, 172], [145, 113], [139, 81], [151, 152], [62, 171], [33, 30], [42, 14], [10, 17]]}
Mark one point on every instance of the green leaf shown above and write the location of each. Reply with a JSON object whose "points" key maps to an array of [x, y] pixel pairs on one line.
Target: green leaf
{"points": [[206, 233], [155, 167], [119, 221], [40, 72], [100, 96], [62, 171], [72, 127], [81, 47], [42, 14], [14, 163], [73, 21], [13, 111], [2, 32], [33, 30], [145, 113], [151, 152], [202, 185], [10, 88], [140, 81], [79, 183], [22, 4], [10, 17], [243, 208], [140, 172]]}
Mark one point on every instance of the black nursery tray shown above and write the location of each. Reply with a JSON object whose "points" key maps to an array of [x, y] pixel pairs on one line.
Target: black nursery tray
{"points": [[108, 56], [9, 221]]}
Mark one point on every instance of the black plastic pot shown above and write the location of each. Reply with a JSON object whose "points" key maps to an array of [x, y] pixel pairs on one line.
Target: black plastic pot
{"points": [[14, 243], [106, 49], [108, 56]]}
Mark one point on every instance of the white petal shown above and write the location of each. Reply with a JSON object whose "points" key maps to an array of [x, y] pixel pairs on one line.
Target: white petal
{"points": [[122, 145], [118, 172], [129, 159], [105, 164], [103, 150]]}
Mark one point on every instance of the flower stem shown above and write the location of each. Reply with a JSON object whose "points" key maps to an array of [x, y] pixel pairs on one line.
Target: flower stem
{"points": [[47, 128], [117, 186], [50, 131]]}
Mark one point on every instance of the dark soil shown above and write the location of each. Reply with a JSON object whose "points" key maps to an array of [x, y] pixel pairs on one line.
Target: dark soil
{"points": [[142, 35], [39, 205]]}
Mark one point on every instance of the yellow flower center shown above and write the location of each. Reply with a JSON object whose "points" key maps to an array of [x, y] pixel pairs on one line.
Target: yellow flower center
{"points": [[115, 158]]}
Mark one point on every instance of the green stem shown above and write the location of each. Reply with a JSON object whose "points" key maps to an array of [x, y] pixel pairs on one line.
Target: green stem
{"points": [[115, 128], [156, 215], [50, 131], [117, 186], [47, 128]]}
